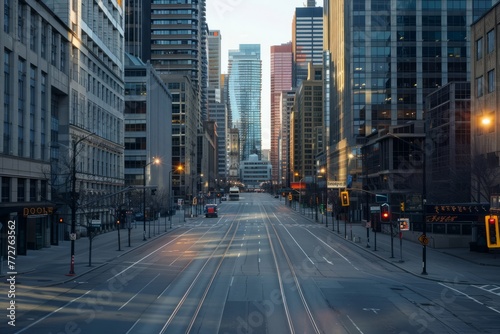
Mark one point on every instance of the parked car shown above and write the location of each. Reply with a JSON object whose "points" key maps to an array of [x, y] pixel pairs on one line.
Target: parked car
{"points": [[210, 210], [223, 198]]}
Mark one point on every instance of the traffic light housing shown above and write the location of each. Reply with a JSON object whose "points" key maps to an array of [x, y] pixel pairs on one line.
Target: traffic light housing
{"points": [[492, 231], [385, 213], [344, 198], [402, 206]]}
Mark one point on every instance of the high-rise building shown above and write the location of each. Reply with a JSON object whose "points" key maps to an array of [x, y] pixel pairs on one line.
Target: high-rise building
{"points": [[308, 124], [384, 59], [148, 129], [281, 80], [172, 36], [307, 40], [216, 101], [245, 85], [286, 106]]}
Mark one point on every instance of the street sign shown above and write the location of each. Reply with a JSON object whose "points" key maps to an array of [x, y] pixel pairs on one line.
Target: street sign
{"points": [[404, 224], [72, 236], [195, 200], [290, 197], [423, 239], [336, 184], [380, 198]]}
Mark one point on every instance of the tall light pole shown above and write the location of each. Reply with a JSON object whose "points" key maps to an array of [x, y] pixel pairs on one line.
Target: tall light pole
{"points": [[178, 168], [154, 161], [74, 203]]}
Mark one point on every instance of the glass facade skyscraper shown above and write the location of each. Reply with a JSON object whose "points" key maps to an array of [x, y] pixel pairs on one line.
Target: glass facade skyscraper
{"points": [[385, 58], [245, 85], [307, 40]]}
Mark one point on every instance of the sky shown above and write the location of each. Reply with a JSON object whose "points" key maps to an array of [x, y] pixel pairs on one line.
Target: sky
{"points": [[264, 22]]}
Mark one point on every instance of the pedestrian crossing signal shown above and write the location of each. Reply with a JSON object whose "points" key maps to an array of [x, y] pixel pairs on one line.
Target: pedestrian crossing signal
{"points": [[344, 198]]}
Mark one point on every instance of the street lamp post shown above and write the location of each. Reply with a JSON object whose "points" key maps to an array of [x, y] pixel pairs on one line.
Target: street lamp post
{"points": [[74, 203], [154, 161]]}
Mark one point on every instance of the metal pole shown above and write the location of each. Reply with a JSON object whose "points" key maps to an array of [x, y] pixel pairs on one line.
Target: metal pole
{"points": [[119, 239], [424, 195], [73, 210], [144, 201]]}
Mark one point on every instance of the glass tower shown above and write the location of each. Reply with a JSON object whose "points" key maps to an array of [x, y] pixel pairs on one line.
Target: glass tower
{"points": [[385, 58], [245, 85]]}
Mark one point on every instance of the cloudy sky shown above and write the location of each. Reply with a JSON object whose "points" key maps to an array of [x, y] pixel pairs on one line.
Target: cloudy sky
{"points": [[264, 22]]}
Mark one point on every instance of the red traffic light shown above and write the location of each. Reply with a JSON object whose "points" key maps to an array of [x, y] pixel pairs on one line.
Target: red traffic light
{"points": [[385, 214], [491, 221]]}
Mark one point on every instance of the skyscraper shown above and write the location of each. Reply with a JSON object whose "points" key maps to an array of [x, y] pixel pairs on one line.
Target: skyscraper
{"points": [[245, 85], [281, 79], [307, 40], [216, 101], [172, 36], [385, 58]]}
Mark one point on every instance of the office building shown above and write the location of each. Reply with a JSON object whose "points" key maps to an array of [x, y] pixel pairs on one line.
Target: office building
{"points": [[307, 40], [216, 102], [385, 58], [281, 80], [485, 106], [62, 132], [307, 124], [148, 131], [245, 85]]}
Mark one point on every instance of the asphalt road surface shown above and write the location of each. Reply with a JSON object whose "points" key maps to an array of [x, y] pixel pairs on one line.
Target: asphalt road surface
{"points": [[259, 267]]}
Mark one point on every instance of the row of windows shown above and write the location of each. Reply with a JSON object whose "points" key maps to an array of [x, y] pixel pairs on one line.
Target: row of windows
{"points": [[382, 5], [490, 86], [359, 21], [28, 190]]}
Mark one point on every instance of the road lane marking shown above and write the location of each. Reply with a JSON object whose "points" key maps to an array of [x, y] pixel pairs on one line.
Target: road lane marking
{"points": [[138, 292], [146, 256], [291, 236]]}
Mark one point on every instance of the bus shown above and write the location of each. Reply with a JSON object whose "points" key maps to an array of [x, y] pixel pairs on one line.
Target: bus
{"points": [[234, 194]]}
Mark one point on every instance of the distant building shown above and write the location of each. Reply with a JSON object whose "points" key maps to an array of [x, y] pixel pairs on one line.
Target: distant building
{"points": [[307, 40], [281, 80], [245, 85], [254, 172], [307, 123]]}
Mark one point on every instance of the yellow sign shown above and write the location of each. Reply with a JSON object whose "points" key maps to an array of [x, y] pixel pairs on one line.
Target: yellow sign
{"points": [[423, 239], [195, 200], [290, 197]]}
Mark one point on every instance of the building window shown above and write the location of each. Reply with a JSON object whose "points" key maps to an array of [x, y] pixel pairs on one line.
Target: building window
{"points": [[32, 190], [491, 81], [6, 104], [20, 22], [33, 31], [20, 189], [43, 41], [21, 99], [5, 189], [6, 16], [479, 49], [479, 86], [490, 37]]}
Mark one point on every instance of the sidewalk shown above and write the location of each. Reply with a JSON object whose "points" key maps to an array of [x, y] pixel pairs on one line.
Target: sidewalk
{"points": [[458, 265], [51, 266]]}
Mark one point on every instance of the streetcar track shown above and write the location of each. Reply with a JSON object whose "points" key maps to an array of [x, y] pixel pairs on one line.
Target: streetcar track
{"points": [[183, 299], [298, 288]]}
